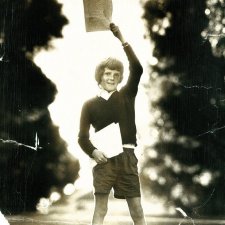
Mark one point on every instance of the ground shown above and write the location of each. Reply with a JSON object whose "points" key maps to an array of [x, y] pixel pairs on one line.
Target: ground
{"points": [[73, 211]]}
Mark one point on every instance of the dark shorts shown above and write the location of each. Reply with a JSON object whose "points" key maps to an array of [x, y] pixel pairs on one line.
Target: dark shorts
{"points": [[119, 173]]}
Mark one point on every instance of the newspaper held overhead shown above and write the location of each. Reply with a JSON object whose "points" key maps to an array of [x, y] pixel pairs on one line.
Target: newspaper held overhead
{"points": [[98, 14]]}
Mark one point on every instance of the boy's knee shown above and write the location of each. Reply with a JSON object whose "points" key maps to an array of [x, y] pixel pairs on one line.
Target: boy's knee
{"points": [[101, 211], [137, 214]]}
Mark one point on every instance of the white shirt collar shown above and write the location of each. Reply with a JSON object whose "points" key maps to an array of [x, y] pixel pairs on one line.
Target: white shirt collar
{"points": [[105, 94]]}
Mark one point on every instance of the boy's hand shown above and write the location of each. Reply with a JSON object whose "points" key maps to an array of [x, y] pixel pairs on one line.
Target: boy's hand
{"points": [[99, 156], [116, 32]]}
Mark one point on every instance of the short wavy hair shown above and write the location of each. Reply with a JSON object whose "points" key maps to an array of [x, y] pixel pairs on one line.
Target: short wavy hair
{"points": [[112, 64]]}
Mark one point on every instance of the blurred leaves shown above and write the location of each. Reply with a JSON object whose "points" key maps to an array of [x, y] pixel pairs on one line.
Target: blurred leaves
{"points": [[189, 108], [25, 94], [215, 11], [25, 24]]}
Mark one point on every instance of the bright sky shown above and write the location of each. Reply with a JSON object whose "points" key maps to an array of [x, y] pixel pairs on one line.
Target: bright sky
{"points": [[71, 64]]}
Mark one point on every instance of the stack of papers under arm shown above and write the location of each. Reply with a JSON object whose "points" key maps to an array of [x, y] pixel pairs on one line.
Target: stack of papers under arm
{"points": [[108, 140]]}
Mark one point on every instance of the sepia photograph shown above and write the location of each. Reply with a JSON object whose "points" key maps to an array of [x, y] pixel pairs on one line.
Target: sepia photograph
{"points": [[112, 112]]}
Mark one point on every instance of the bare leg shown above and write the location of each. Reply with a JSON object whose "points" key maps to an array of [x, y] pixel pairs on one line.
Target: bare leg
{"points": [[101, 207], [136, 210]]}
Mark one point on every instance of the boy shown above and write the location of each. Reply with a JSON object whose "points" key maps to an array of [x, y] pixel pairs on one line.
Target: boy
{"points": [[110, 110]]}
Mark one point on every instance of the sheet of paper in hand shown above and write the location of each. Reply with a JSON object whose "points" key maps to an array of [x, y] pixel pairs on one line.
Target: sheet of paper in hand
{"points": [[108, 140], [98, 14]]}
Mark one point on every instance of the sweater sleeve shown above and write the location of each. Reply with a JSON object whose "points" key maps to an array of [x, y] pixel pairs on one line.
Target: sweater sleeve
{"points": [[135, 72], [83, 136]]}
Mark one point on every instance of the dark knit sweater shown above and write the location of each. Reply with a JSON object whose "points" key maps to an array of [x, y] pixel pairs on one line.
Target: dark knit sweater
{"points": [[119, 108]]}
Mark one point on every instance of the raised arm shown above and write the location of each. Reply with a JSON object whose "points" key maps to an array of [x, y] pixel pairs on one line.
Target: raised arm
{"points": [[117, 33], [135, 67]]}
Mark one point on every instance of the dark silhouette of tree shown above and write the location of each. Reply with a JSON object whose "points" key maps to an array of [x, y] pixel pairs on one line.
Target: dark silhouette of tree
{"points": [[25, 94], [185, 166]]}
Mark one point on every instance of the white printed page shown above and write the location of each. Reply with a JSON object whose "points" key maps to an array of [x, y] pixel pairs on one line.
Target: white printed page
{"points": [[98, 14], [108, 140]]}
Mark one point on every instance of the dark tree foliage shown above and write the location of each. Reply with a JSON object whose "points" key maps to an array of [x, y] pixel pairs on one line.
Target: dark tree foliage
{"points": [[25, 94], [187, 167], [216, 30]]}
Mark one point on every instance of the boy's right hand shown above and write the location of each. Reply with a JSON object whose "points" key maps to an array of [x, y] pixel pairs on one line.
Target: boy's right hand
{"points": [[99, 156]]}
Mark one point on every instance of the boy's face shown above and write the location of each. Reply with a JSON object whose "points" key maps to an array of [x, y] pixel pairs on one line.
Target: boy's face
{"points": [[110, 79]]}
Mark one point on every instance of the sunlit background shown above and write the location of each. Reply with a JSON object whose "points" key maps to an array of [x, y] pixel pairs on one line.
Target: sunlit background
{"points": [[180, 133], [71, 64]]}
